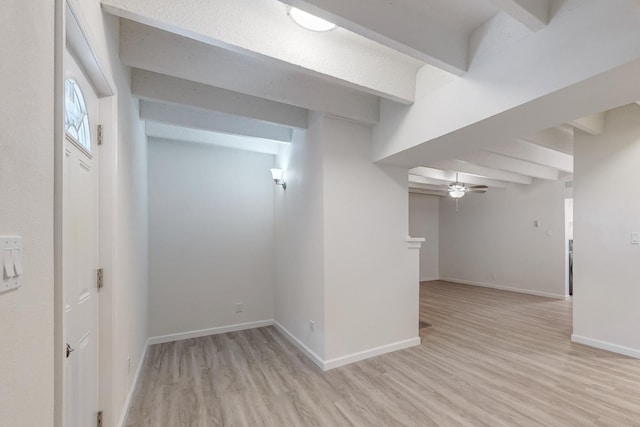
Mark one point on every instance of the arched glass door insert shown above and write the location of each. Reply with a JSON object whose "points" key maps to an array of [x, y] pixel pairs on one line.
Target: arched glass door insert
{"points": [[76, 117]]}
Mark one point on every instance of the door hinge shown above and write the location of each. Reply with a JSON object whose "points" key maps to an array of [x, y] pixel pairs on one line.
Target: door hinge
{"points": [[100, 278], [99, 419], [99, 134]]}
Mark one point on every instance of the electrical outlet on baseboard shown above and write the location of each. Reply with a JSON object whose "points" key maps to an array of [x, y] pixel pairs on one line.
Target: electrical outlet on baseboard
{"points": [[128, 365], [239, 307]]}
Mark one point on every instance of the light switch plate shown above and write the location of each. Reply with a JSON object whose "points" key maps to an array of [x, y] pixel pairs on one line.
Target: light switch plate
{"points": [[11, 265]]}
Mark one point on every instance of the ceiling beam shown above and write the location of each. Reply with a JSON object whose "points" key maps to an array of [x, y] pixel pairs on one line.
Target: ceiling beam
{"points": [[481, 171], [401, 28], [514, 91], [419, 174], [177, 133], [428, 187], [534, 14], [525, 150], [558, 139], [498, 161], [261, 29], [212, 121], [423, 180], [167, 89], [425, 192], [593, 124], [155, 50]]}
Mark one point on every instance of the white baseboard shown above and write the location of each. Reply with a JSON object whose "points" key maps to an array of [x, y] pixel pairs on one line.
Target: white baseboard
{"points": [[505, 288], [349, 358], [134, 384], [206, 332], [301, 346], [604, 345], [429, 279], [372, 352]]}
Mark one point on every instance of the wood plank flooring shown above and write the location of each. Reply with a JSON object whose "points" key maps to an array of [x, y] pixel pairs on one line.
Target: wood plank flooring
{"points": [[491, 358]]}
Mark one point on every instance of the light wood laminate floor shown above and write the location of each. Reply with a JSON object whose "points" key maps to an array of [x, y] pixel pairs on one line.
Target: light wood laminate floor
{"points": [[491, 358]]}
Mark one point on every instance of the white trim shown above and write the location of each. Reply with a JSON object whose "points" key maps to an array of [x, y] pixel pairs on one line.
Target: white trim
{"points": [[429, 279], [604, 345], [206, 332], [349, 358], [134, 384], [77, 36], [301, 346], [366, 354], [414, 242], [505, 288]]}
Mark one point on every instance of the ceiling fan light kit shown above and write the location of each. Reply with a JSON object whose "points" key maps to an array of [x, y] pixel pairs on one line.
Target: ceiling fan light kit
{"points": [[458, 189]]}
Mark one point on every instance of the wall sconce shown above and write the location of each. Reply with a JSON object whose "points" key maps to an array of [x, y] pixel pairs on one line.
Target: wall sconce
{"points": [[278, 177]]}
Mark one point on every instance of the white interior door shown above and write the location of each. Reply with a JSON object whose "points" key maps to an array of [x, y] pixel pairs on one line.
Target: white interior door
{"points": [[80, 247]]}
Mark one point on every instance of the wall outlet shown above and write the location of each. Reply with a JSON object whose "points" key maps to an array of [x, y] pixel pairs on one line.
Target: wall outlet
{"points": [[128, 365], [239, 307], [312, 325], [635, 238]]}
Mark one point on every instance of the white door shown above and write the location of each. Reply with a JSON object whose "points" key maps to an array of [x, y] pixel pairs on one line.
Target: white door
{"points": [[80, 248]]}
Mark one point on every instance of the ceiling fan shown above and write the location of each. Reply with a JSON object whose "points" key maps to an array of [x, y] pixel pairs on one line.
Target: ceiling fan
{"points": [[458, 189]]}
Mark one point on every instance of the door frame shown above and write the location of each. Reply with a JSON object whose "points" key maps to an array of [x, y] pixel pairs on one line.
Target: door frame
{"points": [[71, 30]]}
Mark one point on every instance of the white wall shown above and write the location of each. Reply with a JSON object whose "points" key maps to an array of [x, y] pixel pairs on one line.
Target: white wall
{"points": [[607, 210], [492, 239], [371, 277], [26, 209], [299, 215], [211, 237], [424, 213], [342, 259], [130, 303]]}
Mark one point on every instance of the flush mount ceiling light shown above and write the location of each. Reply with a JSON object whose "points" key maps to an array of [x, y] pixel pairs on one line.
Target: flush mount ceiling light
{"points": [[309, 21]]}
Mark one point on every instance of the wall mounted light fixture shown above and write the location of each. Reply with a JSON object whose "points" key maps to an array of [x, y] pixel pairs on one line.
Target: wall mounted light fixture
{"points": [[278, 177]]}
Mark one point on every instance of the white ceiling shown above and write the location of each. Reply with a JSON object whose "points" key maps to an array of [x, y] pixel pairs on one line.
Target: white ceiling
{"points": [[241, 72]]}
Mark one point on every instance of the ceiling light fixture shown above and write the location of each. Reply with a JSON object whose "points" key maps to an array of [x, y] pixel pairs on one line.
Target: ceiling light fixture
{"points": [[456, 190], [309, 21]]}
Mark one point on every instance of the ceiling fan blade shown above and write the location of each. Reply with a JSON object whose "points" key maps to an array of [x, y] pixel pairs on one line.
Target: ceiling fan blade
{"points": [[477, 191], [473, 187]]}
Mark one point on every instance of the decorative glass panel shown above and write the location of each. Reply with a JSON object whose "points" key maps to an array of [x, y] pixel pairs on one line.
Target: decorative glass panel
{"points": [[76, 117]]}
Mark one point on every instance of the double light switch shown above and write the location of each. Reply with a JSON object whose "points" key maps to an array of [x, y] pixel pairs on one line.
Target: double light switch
{"points": [[12, 267]]}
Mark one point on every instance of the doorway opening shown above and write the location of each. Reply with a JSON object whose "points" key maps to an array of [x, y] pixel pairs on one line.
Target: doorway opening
{"points": [[568, 249]]}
